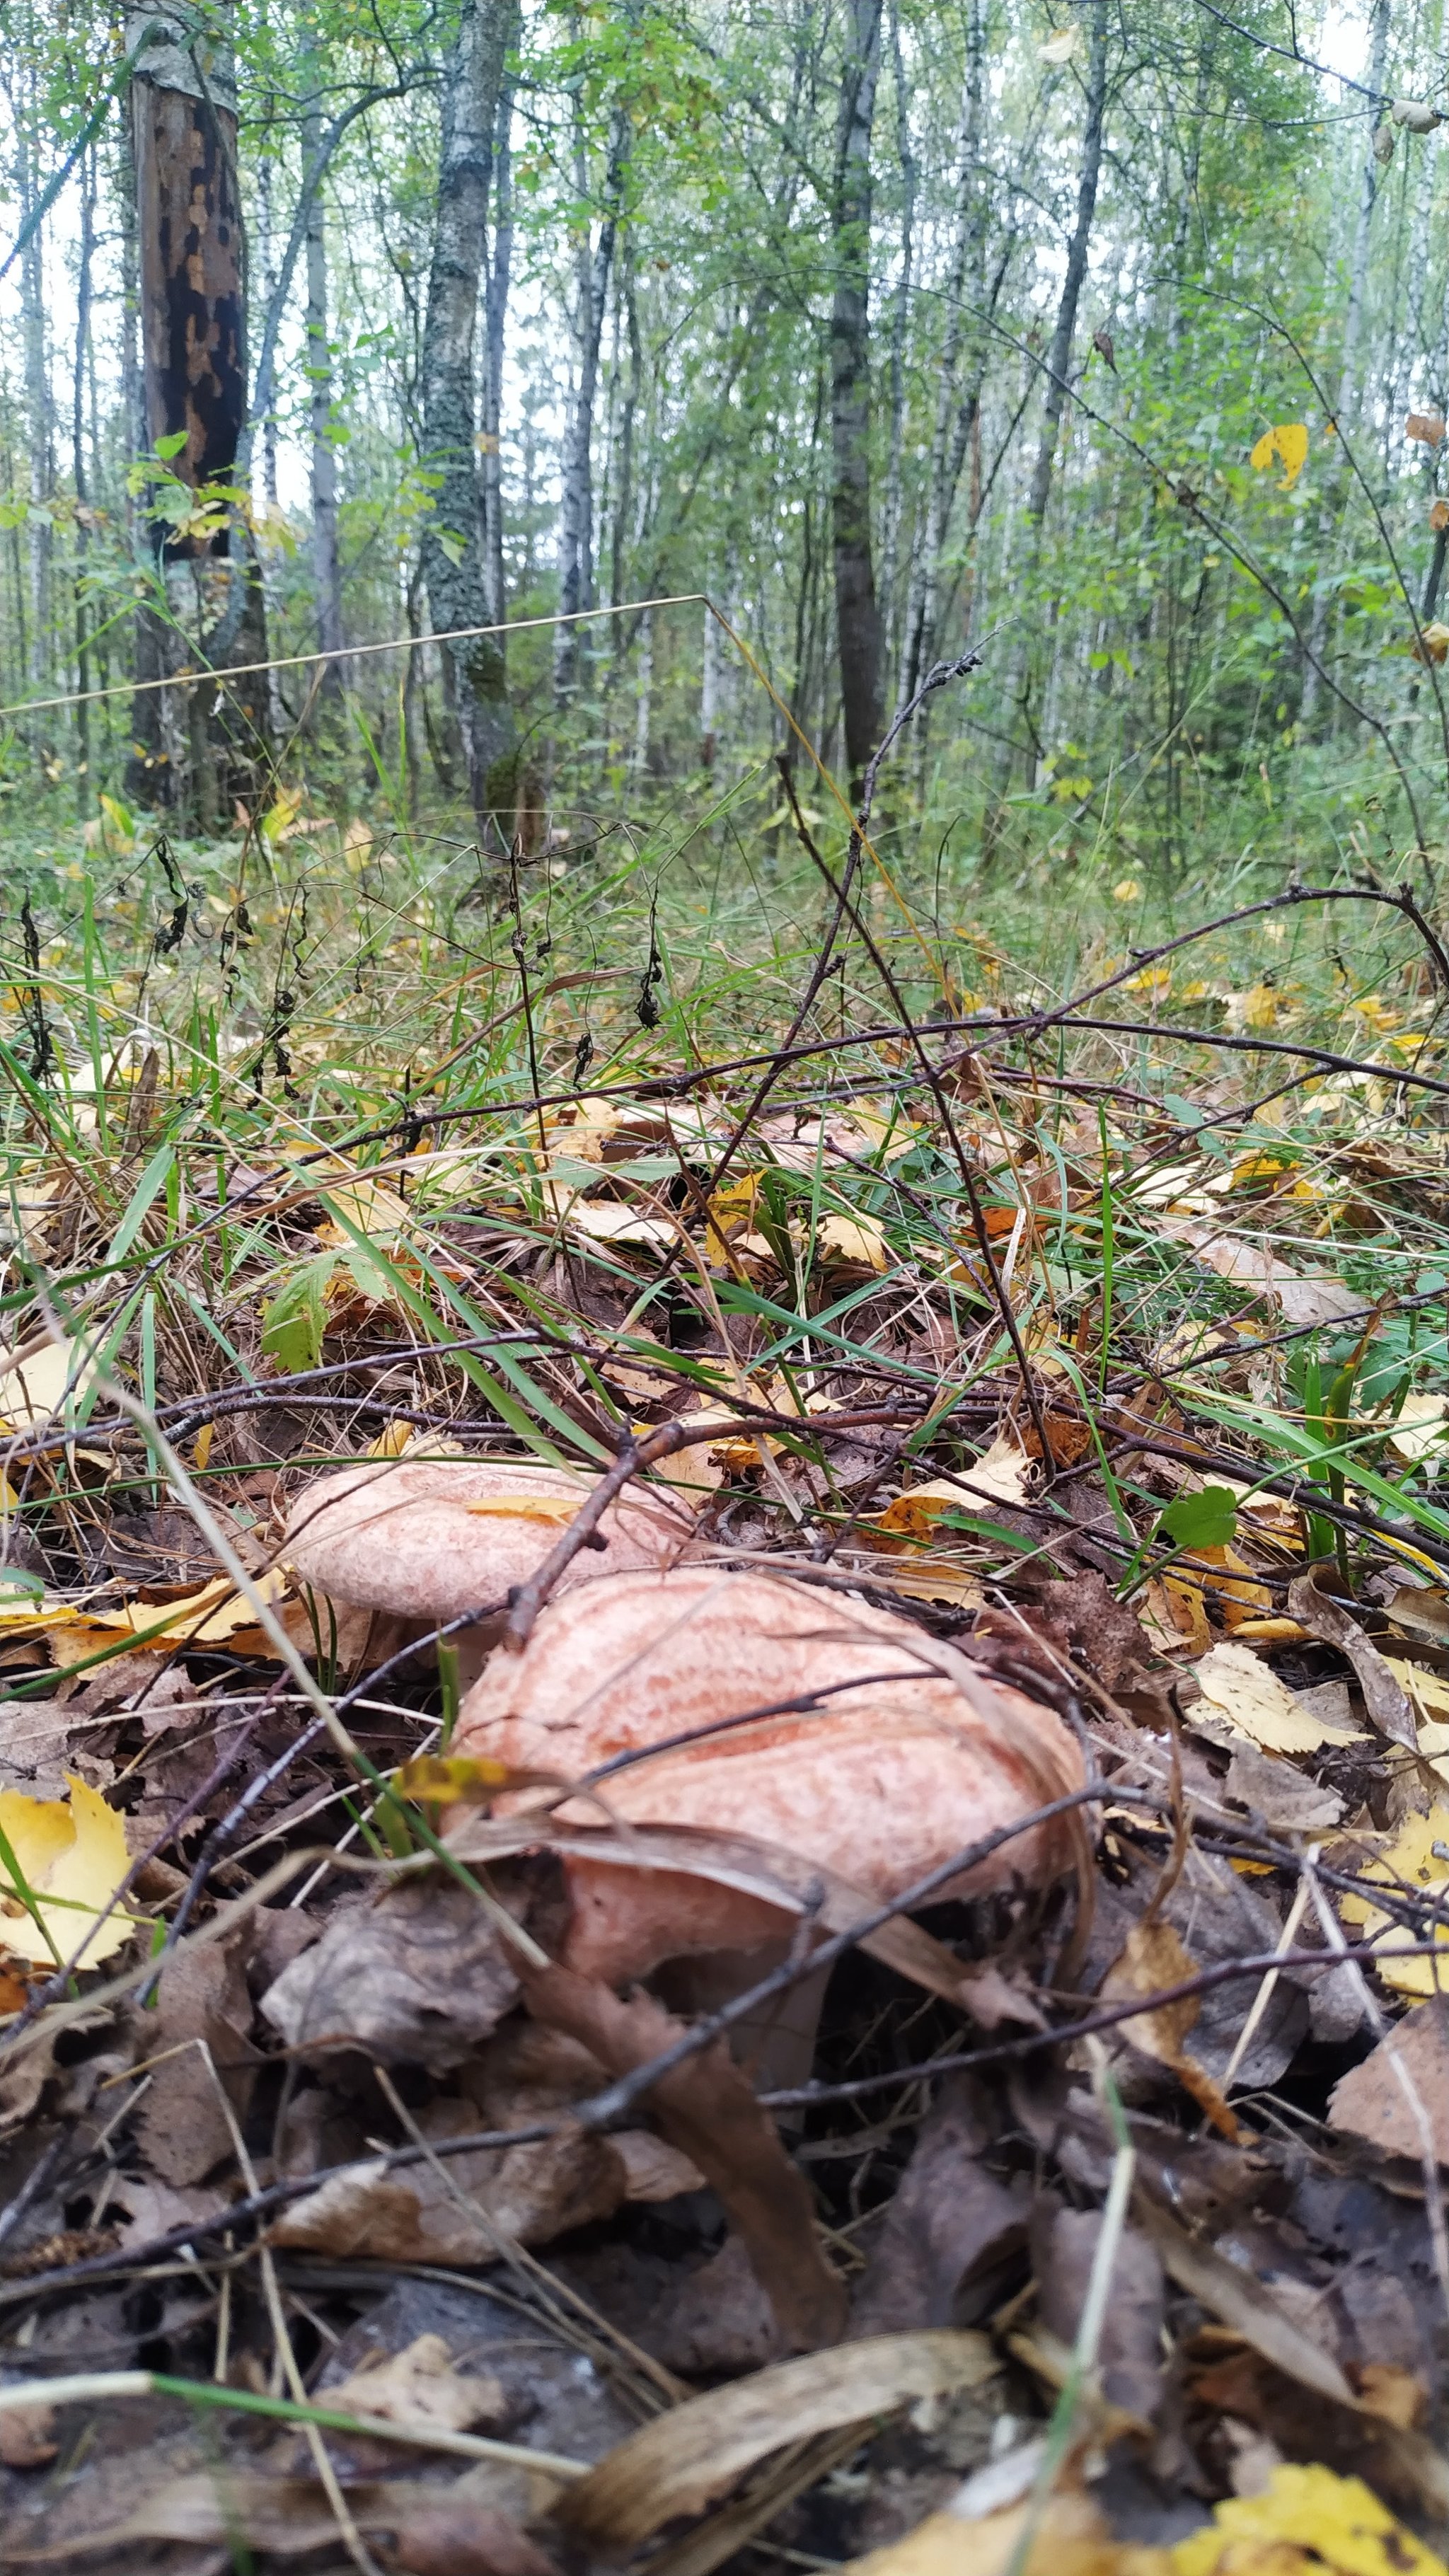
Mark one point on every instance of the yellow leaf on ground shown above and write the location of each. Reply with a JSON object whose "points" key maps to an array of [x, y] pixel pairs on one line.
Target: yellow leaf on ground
{"points": [[1261, 1708], [1231, 1581], [1410, 1862], [1420, 1426], [34, 1388], [997, 1477], [1306, 2519], [855, 1242], [369, 1205], [70, 1859]]}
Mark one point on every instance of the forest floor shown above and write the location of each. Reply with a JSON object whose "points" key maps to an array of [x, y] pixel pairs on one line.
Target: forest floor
{"points": [[956, 1463]]}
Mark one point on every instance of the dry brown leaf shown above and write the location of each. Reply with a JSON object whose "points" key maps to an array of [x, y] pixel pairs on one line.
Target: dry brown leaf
{"points": [[201, 1998], [1300, 1299], [1152, 1957], [418, 1974], [460, 2535], [681, 2462], [1369, 2101], [27, 2437], [1230, 2292], [1385, 1702], [420, 2385], [707, 2109]]}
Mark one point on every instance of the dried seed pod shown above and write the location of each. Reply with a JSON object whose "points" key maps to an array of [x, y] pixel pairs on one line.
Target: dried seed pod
{"points": [[893, 1753]]}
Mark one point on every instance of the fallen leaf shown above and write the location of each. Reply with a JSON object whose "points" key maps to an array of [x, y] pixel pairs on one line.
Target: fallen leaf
{"points": [[1069, 2538], [606, 1221], [1385, 1702], [26, 2437], [71, 1859], [1279, 1796], [1152, 1958], [36, 1388], [1369, 2101], [1411, 1864], [851, 1243], [998, 1476], [202, 1997], [1419, 1427], [1129, 2367], [1239, 2299], [1300, 1298], [460, 2535], [419, 2385], [683, 2460], [1307, 2518], [418, 1974], [1258, 1706], [949, 2225]]}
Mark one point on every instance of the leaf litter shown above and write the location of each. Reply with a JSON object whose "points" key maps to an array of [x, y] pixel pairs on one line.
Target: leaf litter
{"points": [[797, 1889]]}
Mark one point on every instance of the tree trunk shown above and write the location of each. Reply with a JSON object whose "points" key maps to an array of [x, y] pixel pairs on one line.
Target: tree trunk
{"points": [[1345, 414], [39, 427], [495, 580], [453, 553], [193, 347], [84, 287], [326, 574], [1059, 355], [857, 611], [900, 323], [966, 256], [147, 780], [576, 519]]}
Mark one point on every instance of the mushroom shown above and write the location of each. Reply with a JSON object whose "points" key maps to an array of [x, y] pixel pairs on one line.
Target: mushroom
{"points": [[908, 1755], [427, 1539]]}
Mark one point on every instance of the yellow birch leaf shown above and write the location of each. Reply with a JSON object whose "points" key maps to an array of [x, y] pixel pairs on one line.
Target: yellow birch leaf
{"points": [[1410, 1862], [1258, 1706], [1306, 2519], [71, 1859], [853, 1241], [1287, 444], [33, 1389], [201, 1453]]}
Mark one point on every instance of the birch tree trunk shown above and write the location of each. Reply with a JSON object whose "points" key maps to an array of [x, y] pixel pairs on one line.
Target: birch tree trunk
{"points": [[326, 572], [84, 291], [1059, 354], [857, 610], [495, 330], [900, 324], [576, 519], [966, 257], [1346, 413], [453, 553]]}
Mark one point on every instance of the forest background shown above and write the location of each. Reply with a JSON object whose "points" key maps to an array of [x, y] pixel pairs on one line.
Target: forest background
{"points": [[1115, 344]]}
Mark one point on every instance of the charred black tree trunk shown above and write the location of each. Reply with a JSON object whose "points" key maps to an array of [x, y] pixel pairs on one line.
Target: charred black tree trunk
{"points": [[193, 374], [857, 610]]}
